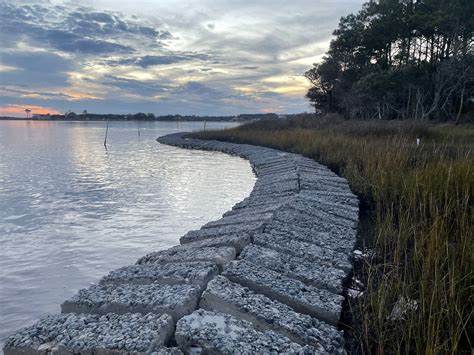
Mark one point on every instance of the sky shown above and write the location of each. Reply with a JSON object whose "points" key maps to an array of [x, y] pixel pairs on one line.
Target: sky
{"points": [[201, 57]]}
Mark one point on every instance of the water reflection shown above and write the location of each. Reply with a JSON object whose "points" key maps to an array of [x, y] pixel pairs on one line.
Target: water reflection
{"points": [[71, 211]]}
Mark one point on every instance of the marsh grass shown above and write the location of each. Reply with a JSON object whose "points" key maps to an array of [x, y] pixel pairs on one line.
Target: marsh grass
{"points": [[417, 204]]}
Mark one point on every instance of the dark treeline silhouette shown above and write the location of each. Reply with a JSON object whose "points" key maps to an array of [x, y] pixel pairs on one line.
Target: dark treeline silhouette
{"points": [[68, 116], [399, 59]]}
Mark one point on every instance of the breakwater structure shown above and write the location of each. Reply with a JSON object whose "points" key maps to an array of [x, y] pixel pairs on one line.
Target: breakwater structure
{"points": [[265, 278]]}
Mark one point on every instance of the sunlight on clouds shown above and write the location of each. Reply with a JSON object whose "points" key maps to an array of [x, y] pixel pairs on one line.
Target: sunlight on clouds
{"points": [[77, 95], [140, 75], [7, 68], [213, 56], [34, 96], [305, 51], [281, 84], [245, 89], [308, 62], [290, 90]]}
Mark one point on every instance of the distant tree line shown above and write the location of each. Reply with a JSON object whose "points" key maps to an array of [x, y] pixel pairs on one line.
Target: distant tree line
{"points": [[140, 116], [402, 59]]}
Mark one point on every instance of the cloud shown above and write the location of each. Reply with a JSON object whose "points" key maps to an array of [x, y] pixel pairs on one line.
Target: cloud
{"points": [[89, 46], [138, 87], [150, 60], [193, 88], [74, 30], [8, 92], [164, 56], [35, 69]]}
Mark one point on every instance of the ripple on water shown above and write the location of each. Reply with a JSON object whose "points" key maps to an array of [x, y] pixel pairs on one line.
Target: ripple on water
{"points": [[71, 211]]}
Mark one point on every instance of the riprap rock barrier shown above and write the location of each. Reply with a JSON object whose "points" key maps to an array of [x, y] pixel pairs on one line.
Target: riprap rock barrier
{"points": [[265, 278]]}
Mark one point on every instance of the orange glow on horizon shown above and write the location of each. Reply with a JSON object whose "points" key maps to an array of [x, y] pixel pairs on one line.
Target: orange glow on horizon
{"points": [[19, 110], [270, 110]]}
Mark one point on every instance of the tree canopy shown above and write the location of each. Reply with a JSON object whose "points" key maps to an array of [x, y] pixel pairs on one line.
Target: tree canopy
{"points": [[404, 59]]}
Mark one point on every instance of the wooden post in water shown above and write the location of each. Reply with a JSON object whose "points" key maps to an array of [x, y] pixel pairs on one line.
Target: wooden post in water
{"points": [[106, 133]]}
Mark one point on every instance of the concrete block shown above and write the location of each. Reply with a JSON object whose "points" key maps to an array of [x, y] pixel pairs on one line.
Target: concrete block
{"points": [[266, 208], [343, 243], [237, 241], [261, 201], [204, 332], [320, 276], [219, 255], [317, 213], [93, 334], [175, 300], [308, 251], [197, 273], [317, 221], [240, 219], [224, 296], [323, 185], [277, 187], [211, 232], [339, 210], [306, 299]]}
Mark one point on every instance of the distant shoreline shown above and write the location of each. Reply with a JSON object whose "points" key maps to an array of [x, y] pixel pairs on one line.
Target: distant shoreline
{"points": [[141, 117], [112, 120]]}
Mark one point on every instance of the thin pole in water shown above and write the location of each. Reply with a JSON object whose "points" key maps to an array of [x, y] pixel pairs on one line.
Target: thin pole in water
{"points": [[138, 126], [106, 132], [205, 125]]}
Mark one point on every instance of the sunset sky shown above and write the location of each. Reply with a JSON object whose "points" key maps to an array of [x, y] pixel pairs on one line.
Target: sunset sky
{"points": [[203, 57]]}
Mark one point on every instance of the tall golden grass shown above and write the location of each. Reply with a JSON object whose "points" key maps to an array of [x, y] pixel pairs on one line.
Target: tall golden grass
{"points": [[419, 203]]}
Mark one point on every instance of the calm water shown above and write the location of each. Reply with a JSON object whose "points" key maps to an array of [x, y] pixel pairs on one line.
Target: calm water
{"points": [[70, 211]]}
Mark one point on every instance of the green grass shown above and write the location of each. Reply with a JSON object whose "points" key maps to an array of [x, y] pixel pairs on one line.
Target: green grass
{"points": [[417, 203]]}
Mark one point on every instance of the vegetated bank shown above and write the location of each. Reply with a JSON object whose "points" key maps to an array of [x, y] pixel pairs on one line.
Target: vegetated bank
{"points": [[416, 228]]}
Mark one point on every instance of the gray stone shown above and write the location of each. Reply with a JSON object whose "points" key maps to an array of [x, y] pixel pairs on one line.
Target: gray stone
{"points": [[266, 208], [276, 178], [343, 243], [311, 273], [175, 300], [211, 232], [218, 255], [342, 198], [217, 333], [303, 208], [318, 222], [325, 179], [287, 186], [93, 334], [261, 201], [237, 241], [224, 296], [282, 169], [196, 273], [261, 195], [308, 251], [307, 299], [240, 219], [339, 210], [323, 185]]}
